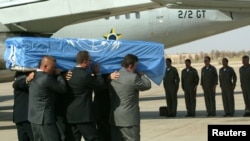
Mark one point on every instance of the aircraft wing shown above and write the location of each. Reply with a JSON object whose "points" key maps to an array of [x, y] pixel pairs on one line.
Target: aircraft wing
{"points": [[48, 16], [241, 6]]}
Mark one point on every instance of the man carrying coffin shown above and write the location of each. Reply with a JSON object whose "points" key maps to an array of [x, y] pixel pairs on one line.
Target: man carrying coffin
{"points": [[43, 89]]}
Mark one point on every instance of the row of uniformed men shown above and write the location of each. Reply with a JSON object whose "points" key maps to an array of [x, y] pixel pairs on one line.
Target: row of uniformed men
{"points": [[209, 80]]}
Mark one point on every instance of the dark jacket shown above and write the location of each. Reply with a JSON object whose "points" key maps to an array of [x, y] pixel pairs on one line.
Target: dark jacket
{"points": [[43, 90], [81, 85], [21, 99], [209, 76], [190, 78], [227, 77], [171, 78]]}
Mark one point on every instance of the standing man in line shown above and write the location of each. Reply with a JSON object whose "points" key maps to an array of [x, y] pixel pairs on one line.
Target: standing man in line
{"points": [[124, 91], [227, 78], [43, 89], [189, 82], [21, 101], [209, 80], [80, 112], [245, 83], [171, 82]]}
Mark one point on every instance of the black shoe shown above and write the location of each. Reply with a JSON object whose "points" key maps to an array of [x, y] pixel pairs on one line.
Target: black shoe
{"points": [[228, 115], [246, 115], [171, 115], [212, 115], [190, 115]]}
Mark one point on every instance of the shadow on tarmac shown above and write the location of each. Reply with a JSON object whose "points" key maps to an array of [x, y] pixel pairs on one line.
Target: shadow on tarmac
{"points": [[6, 116], [178, 96], [7, 127], [6, 108], [6, 98], [181, 114]]}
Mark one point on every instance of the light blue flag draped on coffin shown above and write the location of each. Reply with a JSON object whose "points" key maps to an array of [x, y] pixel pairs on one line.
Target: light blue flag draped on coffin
{"points": [[24, 53]]}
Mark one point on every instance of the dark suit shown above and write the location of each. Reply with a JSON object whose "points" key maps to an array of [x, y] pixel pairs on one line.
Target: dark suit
{"points": [[189, 82], [20, 109], [125, 112], [227, 78], [61, 121], [102, 110], [245, 86], [43, 90], [171, 82], [209, 79], [80, 112]]}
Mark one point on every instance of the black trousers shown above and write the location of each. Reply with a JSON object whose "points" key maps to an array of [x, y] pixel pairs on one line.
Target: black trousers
{"points": [[86, 130], [24, 131], [104, 131], [45, 132], [64, 129]]}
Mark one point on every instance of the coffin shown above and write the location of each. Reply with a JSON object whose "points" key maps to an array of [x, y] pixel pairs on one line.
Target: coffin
{"points": [[25, 53]]}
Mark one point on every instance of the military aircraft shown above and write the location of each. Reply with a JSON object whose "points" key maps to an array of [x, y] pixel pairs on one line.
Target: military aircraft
{"points": [[171, 22]]}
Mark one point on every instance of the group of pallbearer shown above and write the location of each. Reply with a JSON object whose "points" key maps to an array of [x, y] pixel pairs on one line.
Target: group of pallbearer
{"points": [[53, 106]]}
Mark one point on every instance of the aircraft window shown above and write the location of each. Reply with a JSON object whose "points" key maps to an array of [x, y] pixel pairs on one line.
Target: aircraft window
{"points": [[8, 3], [127, 16], [137, 15], [117, 17]]}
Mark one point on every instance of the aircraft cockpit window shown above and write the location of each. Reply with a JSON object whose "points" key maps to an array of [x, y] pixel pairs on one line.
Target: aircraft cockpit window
{"points": [[137, 15]]}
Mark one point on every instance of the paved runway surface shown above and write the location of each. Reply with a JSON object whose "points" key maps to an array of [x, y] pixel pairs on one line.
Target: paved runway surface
{"points": [[153, 126]]}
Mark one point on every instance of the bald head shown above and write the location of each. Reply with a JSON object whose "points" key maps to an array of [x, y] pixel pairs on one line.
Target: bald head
{"points": [[48, 64]]}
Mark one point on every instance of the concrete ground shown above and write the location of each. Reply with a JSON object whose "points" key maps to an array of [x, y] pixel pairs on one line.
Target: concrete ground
{"points": [[153, 126]]}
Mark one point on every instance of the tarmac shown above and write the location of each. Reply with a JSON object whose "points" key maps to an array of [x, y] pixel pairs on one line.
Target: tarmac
{"points": [[153, 126]]}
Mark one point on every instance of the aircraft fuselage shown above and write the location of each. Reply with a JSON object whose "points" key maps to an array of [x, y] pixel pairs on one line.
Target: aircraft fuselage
{"points": [[168, 26]]}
